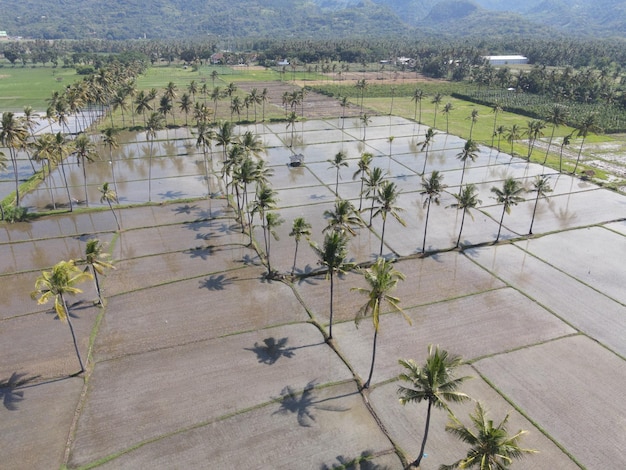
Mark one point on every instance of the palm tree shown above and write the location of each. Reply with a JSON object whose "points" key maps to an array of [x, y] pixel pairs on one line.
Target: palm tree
{"points": [[143, 104], [292, 118], [300, 228], [265, 201], [587, 125], [204, 138], [272, 220], [264, 98], [470, 152], [337, 162], [386, 198], [224, 135], [332, 255], [373, 181], [361, 85], [513, 134], [363, 168], [474, 119], [541, 186], [465, 201], [96, 260], [185, 105], [434, 382], [109, 139], [57, 283], [165, 107], [154, 124], [446, 110], [499, 131], [61, 149], [365, 119], [534, 131], [432, 188], [490, 447], [343, 218], [556, 117], [3, 166], [566, 141], [85, 151], [417, 96], [436, 100], [109, 195], [216, 95], [508, 196], [382, 279], [13, 136], [235, 107], [496, 109], [192, 88], [429, 137]]}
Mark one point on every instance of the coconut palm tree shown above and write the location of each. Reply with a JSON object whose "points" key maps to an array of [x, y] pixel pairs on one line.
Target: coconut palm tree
{"points": [[470, 152], [508, 196], [60, 281], [446, 111], [587, 125], [491, 447], [381, 279], [498, 132], [432, 188], [343, 218], [109, 195], [465, 201], [366, 120], [96, 259], [474, 119], [436, 101], [216, 95], [13, 136], [109, 139], [204, 139], [374, 179], [85, 151], [272, 220], [224, 135], [496, 109], [557, 117], [337, 162], [567, 140], [363, 166], [434, 382], [299, 228], [417, 96], [60, 150], [541, 186], [3, 167], [386, 198], [534, 131], [153, 125], [513, 133], [429, 137], [143, 104], [332, 255], [235, 107], [264, 202], [185, 105], [292, 118]]}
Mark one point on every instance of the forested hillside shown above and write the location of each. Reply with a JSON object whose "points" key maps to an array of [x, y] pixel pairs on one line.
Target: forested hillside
{"points": [[316, 19]]}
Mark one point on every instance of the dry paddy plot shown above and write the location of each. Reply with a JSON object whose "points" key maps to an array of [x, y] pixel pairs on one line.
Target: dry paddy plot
{"points": [[178, 388], [405, 424], [572, 389]]}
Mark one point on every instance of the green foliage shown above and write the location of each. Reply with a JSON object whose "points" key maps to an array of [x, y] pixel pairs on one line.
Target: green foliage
{"points": [[14, 214]]}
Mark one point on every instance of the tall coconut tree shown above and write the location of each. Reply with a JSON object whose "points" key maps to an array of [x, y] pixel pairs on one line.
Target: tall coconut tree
{"points": [[434, 382], [432, 188], [153, 125], [13, 136], [557, 117], [496, 109], [340, 160], [567, 140], [436, 101], [446, 110], [224, 135], [185, 105], [363, 167], [85, 151], [417, 97], [56, 284], [3, 167], [491, 447], [365, 120], [110, 140], [61, 150], [333, 256], [109, 195], [541, 186], [299, 228], [97, 260], [382, 278], [265, 201], [465, 201], [386, 199], [470, 152], [473, 117], [587, 125], [291, 118], [342, 218], [508, 196], [429, 138], [372, 182], [513, 133], [534, 131], [272, 221]]}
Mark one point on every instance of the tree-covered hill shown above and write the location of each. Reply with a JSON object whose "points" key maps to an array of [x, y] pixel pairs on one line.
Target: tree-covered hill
{"points": [[314, 19]]}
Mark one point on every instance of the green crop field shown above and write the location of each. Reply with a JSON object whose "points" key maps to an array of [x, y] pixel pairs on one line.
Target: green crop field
{"points": [[28, 86]]}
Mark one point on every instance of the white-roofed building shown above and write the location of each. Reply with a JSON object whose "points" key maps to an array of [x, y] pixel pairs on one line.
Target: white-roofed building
{"points": [[506, 59]]}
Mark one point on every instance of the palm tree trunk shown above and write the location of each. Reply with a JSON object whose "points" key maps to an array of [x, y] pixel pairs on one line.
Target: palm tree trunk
{"points": [[426, 226], [332, 295], [369, 378], [500, 227], [114, 215], [361, 194], [549, 145], [462, 176], [425, 160], [85, 184], [295, 256], [67, 187], [382, 234], [426, 426], [578, 157], [97, 283], [458, 241], [149, 172], [69, 323], [532, 221], [15, 171]]}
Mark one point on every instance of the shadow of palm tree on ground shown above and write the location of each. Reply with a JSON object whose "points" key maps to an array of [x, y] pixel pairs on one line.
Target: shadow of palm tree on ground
{"points": [[216, 282], [362, 462], [202, 252], [11, 397], [302, 404]]}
